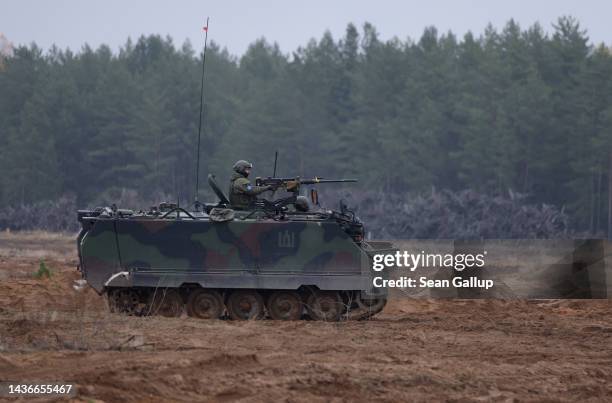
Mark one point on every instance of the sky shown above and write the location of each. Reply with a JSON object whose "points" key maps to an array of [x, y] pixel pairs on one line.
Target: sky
{"points": [[236, 24]]}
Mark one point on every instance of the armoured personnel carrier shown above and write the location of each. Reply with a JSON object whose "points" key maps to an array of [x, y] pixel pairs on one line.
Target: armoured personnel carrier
{"points": [[286, 259]]}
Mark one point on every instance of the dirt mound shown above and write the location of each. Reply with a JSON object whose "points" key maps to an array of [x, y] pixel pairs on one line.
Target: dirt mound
{"points": [[56, 293]]}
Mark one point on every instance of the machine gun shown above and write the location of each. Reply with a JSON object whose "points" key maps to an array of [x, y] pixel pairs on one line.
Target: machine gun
{"points": [[291, 185]]}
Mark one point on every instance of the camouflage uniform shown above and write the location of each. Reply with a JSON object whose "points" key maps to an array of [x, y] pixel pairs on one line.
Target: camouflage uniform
{"points": [[242, 193]]}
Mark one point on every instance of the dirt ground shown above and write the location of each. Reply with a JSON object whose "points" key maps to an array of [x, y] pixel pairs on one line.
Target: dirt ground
{"points": [[415, 350]]}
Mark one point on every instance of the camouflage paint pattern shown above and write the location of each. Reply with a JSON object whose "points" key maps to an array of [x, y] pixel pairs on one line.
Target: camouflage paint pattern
{"points": [[251, 253]]}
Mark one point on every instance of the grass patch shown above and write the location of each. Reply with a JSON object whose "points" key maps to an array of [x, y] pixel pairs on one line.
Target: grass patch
{"points": [[43, 271]]}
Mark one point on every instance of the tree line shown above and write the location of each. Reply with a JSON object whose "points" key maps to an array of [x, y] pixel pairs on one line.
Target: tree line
{"points": [[513, 109]]}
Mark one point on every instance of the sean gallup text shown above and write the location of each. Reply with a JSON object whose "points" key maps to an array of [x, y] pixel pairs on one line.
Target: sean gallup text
{"points": [[424, 282]]}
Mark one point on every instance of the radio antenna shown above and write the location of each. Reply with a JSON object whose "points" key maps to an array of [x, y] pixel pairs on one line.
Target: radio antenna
{"points": [[197, 186]]}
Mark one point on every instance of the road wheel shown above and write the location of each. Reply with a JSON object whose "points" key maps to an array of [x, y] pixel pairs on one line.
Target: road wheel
{"points": [[166, 302], [325, 305], [285, 305], [245, 305], [205, 304], [374, 305], [124, 301]]}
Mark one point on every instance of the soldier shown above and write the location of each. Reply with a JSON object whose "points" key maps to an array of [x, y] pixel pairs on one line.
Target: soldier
{"points": [[241, 192]]}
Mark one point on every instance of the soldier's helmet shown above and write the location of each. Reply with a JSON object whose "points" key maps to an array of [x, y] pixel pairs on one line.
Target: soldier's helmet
{"points": [[301, 204], [241, 166]]}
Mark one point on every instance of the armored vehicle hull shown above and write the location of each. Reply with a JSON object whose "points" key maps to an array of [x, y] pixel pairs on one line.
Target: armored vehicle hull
{"points": [[246, 267]]}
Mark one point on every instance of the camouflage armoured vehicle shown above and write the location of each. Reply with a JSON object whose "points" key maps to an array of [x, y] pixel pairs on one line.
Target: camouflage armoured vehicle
{"points": [[279, 259]]}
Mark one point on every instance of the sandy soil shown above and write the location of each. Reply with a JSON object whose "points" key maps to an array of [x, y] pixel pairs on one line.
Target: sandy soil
{"points": [[416, 350]]}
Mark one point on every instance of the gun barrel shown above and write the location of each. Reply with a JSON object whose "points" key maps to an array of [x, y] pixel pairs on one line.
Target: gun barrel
{"points": [[319, 180]]}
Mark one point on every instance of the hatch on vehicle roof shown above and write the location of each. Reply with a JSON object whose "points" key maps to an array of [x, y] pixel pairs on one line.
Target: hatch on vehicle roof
{"points": [[213, 185]]}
